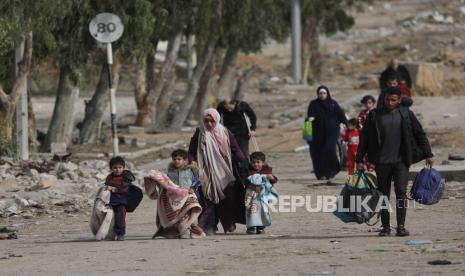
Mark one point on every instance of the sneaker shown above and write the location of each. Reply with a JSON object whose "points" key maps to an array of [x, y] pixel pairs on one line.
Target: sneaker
{"points": [[386, 231], [250, 231], [210, 232], [120, 238], [186, 234], [231, 228], [260, 231], [402, 232]]}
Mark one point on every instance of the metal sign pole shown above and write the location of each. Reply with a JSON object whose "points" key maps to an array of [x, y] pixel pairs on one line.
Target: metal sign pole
{"points": [[296, 42], [107, 28], [114, 133]]}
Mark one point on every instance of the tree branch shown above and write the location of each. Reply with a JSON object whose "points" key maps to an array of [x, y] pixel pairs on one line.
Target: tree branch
{"points": [[4, 98]]}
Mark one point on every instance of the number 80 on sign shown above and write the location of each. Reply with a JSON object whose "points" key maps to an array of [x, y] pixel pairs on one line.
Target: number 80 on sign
{"points": [[106, 27]]}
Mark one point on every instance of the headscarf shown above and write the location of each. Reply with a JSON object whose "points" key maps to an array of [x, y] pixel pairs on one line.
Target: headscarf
{"points": [[214, 157], [328, 102], [217, 132]]}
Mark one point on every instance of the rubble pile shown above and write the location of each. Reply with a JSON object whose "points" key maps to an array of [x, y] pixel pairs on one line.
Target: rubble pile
{"points": [[49, 187]]}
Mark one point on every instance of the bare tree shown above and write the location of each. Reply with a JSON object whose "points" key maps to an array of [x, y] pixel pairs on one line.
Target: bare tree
{"points": [[311, 57], [155, 85], [9, 99], [62, 123], [95, 109], [193, 86]]}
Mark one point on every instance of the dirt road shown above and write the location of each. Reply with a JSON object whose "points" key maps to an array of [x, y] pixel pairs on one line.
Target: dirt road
{"points": [[299, 243]]}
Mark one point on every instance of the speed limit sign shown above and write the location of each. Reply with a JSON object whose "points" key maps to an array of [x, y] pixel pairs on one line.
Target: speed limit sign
{"points": [[106, 27]]}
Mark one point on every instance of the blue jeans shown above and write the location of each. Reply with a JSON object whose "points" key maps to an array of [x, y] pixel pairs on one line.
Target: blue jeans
{"points": [[120, 219]]}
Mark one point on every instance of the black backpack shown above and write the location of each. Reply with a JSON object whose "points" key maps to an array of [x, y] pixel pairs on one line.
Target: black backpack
{"points": [[134, 197]]}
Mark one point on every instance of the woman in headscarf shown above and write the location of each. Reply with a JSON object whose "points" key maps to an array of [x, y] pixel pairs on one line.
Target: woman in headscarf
{"points": [[326, 116], [217, 154]]}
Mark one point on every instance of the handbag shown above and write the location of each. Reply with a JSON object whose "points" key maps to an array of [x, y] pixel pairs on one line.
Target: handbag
{"points": [[307, 130], [360, 186], [428, 186]]}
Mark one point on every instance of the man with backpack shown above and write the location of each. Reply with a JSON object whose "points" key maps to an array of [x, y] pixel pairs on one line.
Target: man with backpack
{"points": [[393, 139]]}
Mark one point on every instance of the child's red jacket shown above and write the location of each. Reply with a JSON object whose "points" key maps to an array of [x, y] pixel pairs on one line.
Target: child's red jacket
{"points": [[121, 183], [352, 137]]}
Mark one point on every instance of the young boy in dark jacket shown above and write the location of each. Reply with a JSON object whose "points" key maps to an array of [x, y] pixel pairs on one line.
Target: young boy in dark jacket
{"points": [[118, 182], [258, 166], [393, 139]]}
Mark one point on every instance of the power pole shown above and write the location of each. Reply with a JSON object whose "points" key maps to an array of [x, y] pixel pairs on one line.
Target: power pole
{"points": [[296, 42], [22, 138]]}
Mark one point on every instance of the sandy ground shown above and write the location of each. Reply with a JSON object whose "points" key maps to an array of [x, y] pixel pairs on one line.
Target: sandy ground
{"points": [[298, 243]]}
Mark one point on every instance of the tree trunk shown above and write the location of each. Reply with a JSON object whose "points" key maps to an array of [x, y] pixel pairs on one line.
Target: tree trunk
{"points": [[31, 121], [191, 57], [311, 57], [201, 102], [243, 83], [61, 125], [163, 104], [315, 58], [305, 45], [8, 101], [193, 86], [229, 61], [140, 90], [97, 106], [156, 85]]}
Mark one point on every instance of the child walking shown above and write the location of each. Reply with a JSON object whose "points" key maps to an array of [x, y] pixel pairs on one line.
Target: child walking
{"points": [[259, 191], [117, 182], [183, 174], [352, 137], [369, 103]]}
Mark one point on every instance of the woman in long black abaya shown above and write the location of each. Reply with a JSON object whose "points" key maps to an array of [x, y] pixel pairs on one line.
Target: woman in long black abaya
{"points": [[327, 116]]}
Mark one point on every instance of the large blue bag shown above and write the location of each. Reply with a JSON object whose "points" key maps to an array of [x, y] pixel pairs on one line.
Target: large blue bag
{"points": [[360, 185], [428, 186]]}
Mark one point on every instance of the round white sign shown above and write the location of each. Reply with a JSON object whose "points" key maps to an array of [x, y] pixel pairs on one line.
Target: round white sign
{"points": [[106, 27]]}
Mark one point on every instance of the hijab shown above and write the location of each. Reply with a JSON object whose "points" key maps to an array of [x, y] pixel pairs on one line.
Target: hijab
{"points": [[214, 156], [218, 132], [328, 102]]}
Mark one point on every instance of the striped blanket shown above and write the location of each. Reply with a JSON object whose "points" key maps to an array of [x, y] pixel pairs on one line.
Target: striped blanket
{"points": [[177, 210], [102, 219]]}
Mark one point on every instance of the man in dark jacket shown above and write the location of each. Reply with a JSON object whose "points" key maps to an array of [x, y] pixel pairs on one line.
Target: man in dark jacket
{"points": [[393, 139], [233, 112], [398, 70]]}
